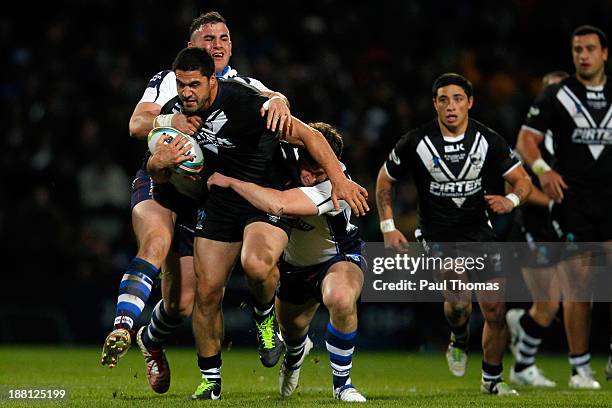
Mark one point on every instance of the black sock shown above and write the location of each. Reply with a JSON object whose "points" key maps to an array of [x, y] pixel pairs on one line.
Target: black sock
{"points": [[492, 372], [210, 367], [262, 311], [579, 360], [460, 335], [530, 339]]}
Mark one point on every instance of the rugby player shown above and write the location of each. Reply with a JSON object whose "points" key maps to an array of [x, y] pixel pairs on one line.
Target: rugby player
{"points": [[539, 274], [450, 160], [578, 112], [321, 264], [164, 216], [239, 145]]}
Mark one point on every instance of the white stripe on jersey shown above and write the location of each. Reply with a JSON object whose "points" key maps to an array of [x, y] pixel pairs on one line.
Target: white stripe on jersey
{"points": [[582, 118]]}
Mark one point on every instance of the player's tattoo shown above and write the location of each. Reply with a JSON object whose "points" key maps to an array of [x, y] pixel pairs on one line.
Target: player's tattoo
{"points": [[280, 212], [384, 197]]}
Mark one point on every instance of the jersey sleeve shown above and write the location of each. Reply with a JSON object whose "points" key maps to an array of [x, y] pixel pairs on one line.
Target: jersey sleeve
{"points": [[539, 117], [160, 89], [503, 158], [253, 82], [400, 162], [320, 195]]}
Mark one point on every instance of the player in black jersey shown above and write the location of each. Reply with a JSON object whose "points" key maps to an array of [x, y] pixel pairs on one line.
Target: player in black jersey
{"points": [[451, 159], [239, 145], [164, 215], [539, 273], [578, 112]]}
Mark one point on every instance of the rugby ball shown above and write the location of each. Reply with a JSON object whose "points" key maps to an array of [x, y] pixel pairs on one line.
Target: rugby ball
{"points": [[192, 166]]}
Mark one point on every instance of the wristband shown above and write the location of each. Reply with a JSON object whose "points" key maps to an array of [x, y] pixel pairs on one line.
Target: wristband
{"points": [[540, 167], [266, 104], [387, 225], [516, 201], [163, 120]]}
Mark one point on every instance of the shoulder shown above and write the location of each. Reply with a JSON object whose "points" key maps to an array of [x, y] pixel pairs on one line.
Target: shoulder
{"points": [[484, 130], [162, 76]]}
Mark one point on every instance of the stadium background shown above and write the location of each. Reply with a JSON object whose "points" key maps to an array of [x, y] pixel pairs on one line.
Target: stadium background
{"points": [[73, 73]]}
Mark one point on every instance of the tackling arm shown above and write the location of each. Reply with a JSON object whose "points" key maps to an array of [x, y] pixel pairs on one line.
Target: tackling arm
{"points": [[356, 196], [288, 202]]}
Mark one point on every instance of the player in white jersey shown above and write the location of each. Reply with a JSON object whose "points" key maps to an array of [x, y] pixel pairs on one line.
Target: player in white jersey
{"points": [[164, 219], [321, 264]]}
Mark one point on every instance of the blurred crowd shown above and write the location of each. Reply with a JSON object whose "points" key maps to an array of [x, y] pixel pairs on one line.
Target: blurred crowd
{"points": [[73, 74]]}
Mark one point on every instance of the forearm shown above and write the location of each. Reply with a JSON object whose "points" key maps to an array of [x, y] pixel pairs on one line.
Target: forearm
{"points": [[265, 199], [538, 197], [528, 146], [323, 154], [141, 124], [522, 188], [158, 174], [384, 195]]}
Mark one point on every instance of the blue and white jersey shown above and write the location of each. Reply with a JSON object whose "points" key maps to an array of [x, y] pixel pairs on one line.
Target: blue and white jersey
{"points": [[317, 238], [162, 86]]}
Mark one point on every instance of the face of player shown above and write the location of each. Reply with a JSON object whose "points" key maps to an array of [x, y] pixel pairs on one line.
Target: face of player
{"points": [[452, 105], [214, 38], [589, 58], [310, 176], [196, 91]]}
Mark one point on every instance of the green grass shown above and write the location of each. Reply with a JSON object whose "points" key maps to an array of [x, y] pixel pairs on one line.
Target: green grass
{"points": [[388, 379]]}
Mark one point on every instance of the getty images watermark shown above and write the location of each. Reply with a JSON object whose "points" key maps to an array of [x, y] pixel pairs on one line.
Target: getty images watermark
{"points": [[495, 271]]}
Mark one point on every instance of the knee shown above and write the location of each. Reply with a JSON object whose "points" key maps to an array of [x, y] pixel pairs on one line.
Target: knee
{"points": [[339, 302], [155, 247], [495, 315], [182, 308], [258, 268]]}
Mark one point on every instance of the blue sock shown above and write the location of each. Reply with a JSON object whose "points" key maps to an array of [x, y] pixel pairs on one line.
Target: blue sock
{"points": [[159, 328], [134, 292], [341, 347]]}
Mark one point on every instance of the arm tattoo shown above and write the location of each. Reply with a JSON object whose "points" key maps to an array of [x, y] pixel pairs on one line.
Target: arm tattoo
{"points": [[384, 198], [280, 212]]}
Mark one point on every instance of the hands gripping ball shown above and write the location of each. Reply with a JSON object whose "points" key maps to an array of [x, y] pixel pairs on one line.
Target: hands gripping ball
{"points": [[189, 167]]}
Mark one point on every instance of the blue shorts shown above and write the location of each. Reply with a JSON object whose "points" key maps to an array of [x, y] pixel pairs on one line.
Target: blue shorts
{"points": [[185, 208], [299, 284]]}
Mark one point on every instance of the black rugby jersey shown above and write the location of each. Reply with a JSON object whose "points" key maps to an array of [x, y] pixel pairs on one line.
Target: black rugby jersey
{"points": [[580, 120], [236, 142], [451, 173]]}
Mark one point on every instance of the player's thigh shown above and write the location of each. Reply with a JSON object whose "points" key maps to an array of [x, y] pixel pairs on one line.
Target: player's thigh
{"points": [[295, 319], [213, 262], [343, 280], [179, 283], [262, 246], [151, 219]]}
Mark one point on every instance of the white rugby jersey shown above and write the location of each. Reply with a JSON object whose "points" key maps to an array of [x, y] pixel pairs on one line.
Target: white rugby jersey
{"points": [[162, 86], [317, 238]]}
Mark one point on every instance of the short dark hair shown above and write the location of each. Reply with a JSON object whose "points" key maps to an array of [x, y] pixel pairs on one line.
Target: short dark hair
{"points": [[589, 29], [548, 78], [451, 78], [333, 137], [211, 17], [194, 59]]}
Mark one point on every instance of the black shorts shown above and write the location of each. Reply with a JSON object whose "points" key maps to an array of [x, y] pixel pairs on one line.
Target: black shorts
{"points": [[225, 220], [585, 217], [185, 208], [465, 242], [299, 284], [543, 236]]}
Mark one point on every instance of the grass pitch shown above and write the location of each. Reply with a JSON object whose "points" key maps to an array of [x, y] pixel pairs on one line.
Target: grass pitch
{"points": [[387, 379]]}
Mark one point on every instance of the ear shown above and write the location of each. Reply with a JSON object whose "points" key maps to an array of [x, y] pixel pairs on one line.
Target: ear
{"points": [[470, 102], [605, 54], [190, 44]]}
